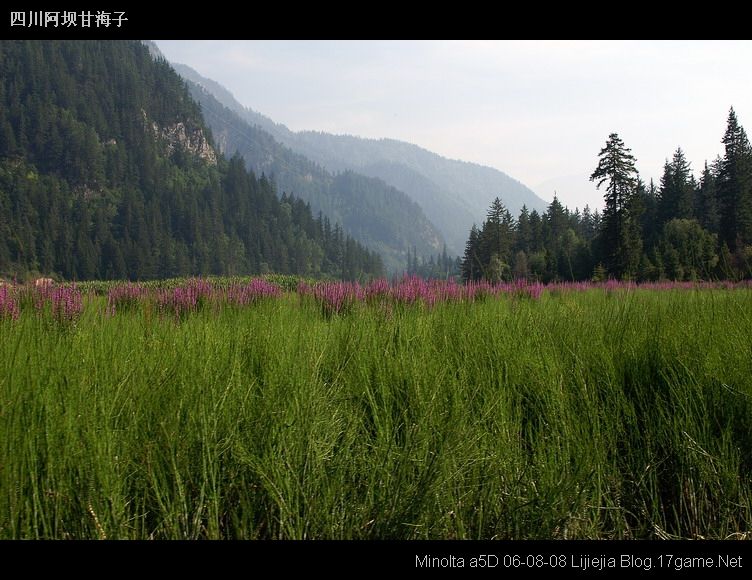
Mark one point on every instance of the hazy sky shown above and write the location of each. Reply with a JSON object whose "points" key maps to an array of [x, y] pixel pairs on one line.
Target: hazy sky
{"points": [[537, 110]]}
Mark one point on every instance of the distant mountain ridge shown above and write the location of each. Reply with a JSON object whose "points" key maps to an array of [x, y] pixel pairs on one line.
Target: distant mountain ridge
{"points": [[373, 212], [453, 194]]}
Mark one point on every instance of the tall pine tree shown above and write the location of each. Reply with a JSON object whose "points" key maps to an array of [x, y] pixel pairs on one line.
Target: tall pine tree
{"points": [[496, 239], [620, 241], [677, 189], [735, 186]]}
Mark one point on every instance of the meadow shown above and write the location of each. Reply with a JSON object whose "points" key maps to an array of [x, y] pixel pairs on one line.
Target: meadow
{"points": [[284, 409]]}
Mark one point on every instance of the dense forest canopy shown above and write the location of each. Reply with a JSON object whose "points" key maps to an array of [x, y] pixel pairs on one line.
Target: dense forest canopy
{"points": [[108, 170], [682, 229]]}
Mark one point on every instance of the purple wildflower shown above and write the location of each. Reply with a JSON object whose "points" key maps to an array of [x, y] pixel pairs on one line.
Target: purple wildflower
{"points": [[125, 297], [8, 304], [67, 303]]}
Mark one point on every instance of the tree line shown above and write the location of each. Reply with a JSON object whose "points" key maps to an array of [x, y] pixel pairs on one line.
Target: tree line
{"points": [[441, 266], [683, 229]]}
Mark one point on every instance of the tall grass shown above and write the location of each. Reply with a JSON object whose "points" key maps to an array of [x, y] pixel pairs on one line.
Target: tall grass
{"points": [[595, 414]]}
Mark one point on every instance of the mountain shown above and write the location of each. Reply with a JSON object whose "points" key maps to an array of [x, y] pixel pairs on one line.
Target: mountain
{"points": [[376, 214], [108, 170], [453, 194]]}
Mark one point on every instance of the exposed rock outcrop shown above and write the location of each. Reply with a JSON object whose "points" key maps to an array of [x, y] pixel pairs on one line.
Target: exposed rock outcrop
{"points": [[192, 141], [189, 139]]}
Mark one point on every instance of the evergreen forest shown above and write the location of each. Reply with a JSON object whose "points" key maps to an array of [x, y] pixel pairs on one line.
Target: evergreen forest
{"points": [[108, 171], [684, 228]]}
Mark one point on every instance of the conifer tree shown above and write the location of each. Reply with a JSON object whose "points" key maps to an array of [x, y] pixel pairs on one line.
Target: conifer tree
{"points": [[677, 190], [524, 237], [621, 245], [649, 221], [471, 268], [707, 198], [735, 186], [496, 239]]}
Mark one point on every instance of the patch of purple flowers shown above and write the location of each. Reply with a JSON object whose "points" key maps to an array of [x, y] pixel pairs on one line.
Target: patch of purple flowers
{"points": [[197, 294], [63, 301], [179, 301], [67, 303], [334, 297], [340, 297], [8, 303], [124, 297], [256, 289]]}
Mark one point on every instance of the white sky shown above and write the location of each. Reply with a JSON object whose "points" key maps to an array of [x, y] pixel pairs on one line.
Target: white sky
{"points": [[538, 110]]}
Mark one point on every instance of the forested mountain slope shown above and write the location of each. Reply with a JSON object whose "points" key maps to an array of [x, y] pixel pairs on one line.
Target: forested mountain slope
{"points": [[108, 170]]}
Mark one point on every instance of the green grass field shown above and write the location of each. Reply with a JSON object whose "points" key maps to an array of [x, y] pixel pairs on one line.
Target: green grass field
{"points": [[593, 414]]}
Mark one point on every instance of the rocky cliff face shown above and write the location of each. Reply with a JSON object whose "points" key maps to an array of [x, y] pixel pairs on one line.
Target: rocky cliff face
{"points": [[191, 141]]}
